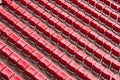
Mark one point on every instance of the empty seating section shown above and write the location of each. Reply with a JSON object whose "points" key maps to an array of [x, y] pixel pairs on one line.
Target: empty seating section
{"points": [[82, 36]]}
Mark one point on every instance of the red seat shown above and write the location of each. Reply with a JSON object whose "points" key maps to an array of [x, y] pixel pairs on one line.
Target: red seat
{"points": [[95, 14], [115, 77], [14, 57], [2, 45], [7, 16], [44, 62], [89, 62], [108, 46], [56, 38], [73, 66], [30, 71], [80, 55], [2, 27], [42, 42], [92, 35], [20, 44], [39, 11], [20, 11], [13, 21], [107, 74], [56, 10], [82, 73], [39, 76], [87, 19], [109, 34], [34, 21], [115, 65], [28, 50], [85, 30], [80, 15], [2, 66], [20, 26], [114, 15], [75, 37], [100, 40], [57, 54], [43, 2], [65, 60], [22, 64], [99, 54], [50, 6], [53, 21], [107, 2], [64, 43], [83, 42], [90, 77], [63, 15], [6, 32], [61, 75], [73, 10], [99, 6], [60, 26], [114, 6], [15, 78], [94, 24], [77, 25], [92, 2], [70, 20], [46, 16], [67, 31], [116, 52], [72, 49], [13, 6], [98, 68], [102, 18], [66, 5], [49, 32], [53, 69], [36, 56], [109, 23], [13, 38], [34, 37], [6, 51], [91, 48], [49, 48], [32, 6], [7, 73], [41, 27], [116, 28], [107, 59], [27, 32], [80, 4], [26, 16]]}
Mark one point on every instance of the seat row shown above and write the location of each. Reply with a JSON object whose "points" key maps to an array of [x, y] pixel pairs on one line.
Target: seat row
{"points": [[7, 73], [50, 49], [21, 63], [64, 43], [35, 55]]}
